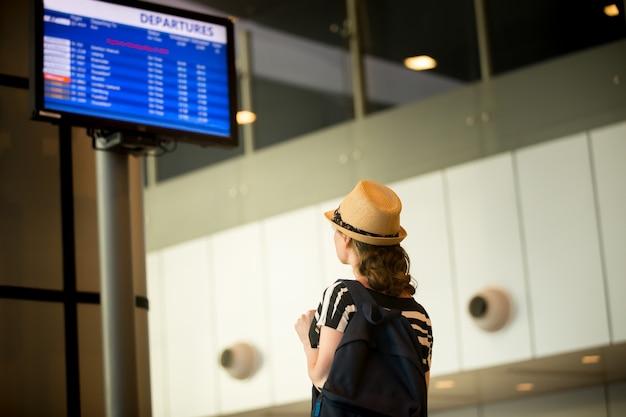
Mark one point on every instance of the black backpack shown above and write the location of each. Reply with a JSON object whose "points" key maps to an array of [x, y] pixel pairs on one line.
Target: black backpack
{"points": [[377, 370]]}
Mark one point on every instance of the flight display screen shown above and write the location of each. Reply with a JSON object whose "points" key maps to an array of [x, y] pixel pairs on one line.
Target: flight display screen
{"points": [[136, 66]]}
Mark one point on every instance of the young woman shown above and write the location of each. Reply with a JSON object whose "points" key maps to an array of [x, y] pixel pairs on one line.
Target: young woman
{"points": [[367, 237]]}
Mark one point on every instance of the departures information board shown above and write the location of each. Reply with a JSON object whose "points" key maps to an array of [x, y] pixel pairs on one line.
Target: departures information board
{"points": [[134, 65]]}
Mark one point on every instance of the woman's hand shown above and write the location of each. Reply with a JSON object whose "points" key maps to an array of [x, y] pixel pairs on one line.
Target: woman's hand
{"points": [[319, 359], [302, 326]]}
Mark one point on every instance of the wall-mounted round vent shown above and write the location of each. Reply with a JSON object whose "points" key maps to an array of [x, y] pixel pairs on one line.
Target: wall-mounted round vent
{"points": [[240, 360], [491, 309]]}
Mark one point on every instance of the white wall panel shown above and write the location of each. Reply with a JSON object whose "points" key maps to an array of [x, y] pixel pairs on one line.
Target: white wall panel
{"points": [[239, 302], [292, 258], [156, 326], [560, 228], [189, 352], [424, 218], [487, 251], [609, 161]]}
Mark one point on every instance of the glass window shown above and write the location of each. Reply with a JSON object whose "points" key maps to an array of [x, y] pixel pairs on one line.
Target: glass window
{"points": [[300, 69], [528, 32], [394, 31]]}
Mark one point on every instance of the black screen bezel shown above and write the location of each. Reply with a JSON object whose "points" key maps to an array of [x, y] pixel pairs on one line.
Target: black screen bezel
{"points": [[40, 112]]}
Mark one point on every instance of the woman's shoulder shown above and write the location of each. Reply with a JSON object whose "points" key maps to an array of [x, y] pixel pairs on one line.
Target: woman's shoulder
{"points": [[338, 291], [336, 287]]}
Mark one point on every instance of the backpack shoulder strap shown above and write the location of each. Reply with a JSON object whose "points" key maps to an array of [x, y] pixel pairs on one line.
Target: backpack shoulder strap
{"points": [[358, 292], [368, 306]]}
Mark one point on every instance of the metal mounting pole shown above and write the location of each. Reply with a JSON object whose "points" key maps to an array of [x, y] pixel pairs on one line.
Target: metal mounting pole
{"points": [[245, 84], [488, 126], [484, 54], [116, 282], [356, 58]]}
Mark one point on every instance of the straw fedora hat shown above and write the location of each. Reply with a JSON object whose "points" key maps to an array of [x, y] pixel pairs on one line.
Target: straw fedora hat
{"points": [[370, 214]]}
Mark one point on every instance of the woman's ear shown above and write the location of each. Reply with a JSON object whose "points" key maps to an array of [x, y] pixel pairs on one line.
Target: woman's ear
{"points": [[346, 240]]}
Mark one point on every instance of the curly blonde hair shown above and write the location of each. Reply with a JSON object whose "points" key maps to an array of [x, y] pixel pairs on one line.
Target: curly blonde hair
{"points": [[386, 268]]}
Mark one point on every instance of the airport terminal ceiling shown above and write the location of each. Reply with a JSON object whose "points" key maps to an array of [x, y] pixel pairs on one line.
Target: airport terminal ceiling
{"points": [[289, 104], [520, 33]]}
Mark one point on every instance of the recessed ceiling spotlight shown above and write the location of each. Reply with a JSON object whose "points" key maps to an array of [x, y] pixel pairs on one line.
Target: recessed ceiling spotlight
{"points": [[445, 384], [611, 10], [420, 63], [245, 117], [525, 387], [590, 359]]}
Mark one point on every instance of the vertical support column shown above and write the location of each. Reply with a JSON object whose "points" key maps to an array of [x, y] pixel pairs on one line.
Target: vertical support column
{"points": [[245, 86], [484, 54], [356, 58], [116, 282], [69, 271], [138, 241], [486, 104]]}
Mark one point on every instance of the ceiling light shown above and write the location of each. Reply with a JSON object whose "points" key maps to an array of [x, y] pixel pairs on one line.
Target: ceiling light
{"points": [[245, 117], [420, 63], [590, 359], [611, 10], [445, 384], [525, 387]]}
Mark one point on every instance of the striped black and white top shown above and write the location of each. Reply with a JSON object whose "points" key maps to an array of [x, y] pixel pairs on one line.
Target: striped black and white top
{"points": [[337, 307]]}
